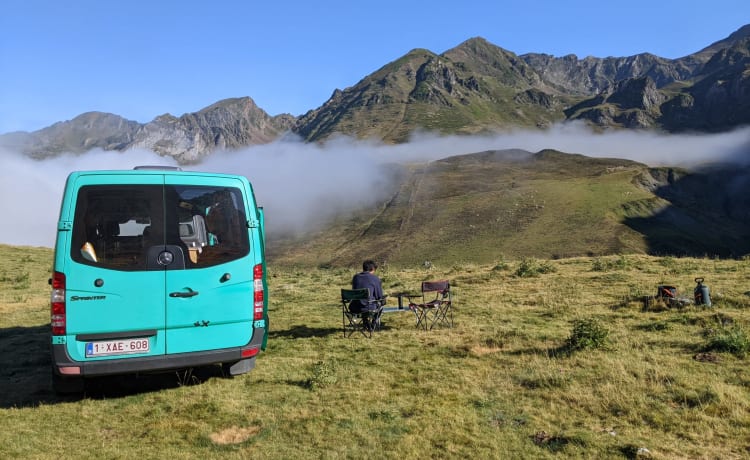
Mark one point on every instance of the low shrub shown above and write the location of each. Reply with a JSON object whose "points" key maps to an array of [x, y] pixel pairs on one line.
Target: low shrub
{"points": [[603, 265], [324, 374], [530, 267], [587, 333], [732, 340]]}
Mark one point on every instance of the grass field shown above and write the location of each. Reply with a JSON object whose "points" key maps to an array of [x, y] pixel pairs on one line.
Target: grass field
{"points": [[547, 359]]}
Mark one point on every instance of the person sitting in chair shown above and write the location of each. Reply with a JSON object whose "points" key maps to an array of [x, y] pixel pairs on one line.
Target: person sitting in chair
{"points": [[368, 279]]}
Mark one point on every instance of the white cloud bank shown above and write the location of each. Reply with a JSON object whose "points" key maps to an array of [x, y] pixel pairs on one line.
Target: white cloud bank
{"points": [[301, 184]]}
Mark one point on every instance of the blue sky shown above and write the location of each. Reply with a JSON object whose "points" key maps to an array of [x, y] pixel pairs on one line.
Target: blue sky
{"points": [[140, 59]]}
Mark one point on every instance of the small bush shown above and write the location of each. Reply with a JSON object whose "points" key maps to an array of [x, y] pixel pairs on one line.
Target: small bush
{"points": [[731, 340], [531, 267], [603, 265], [500, 266], [587, 334], [324, 374]]}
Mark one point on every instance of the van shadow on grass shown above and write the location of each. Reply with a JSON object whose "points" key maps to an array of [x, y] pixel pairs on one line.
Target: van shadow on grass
{"points": [[25, 378], [26, 373], [126, 385], [302, 331]]}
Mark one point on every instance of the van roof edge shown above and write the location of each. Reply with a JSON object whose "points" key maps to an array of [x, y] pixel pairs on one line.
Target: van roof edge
{"points": [[157, 167]]}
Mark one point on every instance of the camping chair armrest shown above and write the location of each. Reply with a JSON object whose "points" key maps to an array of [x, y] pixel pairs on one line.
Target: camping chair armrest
{"points": [[409, 297]]}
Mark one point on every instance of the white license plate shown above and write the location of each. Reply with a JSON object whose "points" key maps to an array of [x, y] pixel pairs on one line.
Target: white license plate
{"points": [[117, 347]]}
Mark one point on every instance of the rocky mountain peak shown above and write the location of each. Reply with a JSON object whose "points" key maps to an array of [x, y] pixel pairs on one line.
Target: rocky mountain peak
{"points": [[227, 124], [473, 87]]}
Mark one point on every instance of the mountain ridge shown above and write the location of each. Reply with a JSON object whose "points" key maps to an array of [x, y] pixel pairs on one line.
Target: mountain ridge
{"points": [[475, 87]]}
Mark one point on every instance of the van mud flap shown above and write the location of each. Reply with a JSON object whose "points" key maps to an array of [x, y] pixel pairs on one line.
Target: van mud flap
{"points": [[245, 365]]}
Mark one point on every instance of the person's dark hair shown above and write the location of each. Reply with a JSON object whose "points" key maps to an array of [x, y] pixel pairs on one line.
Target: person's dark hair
{"points": [[369, 265]]}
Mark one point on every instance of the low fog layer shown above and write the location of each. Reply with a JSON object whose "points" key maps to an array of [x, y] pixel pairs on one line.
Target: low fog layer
{"points": [[300, 185]]}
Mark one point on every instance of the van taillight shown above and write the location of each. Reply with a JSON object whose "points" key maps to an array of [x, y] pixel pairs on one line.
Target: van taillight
{"points": [[57, 304], [249, 352], [258, 294]]}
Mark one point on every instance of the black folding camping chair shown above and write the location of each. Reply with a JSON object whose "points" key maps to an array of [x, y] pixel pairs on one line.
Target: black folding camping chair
{"points": [[359, 313], [435, 306]]}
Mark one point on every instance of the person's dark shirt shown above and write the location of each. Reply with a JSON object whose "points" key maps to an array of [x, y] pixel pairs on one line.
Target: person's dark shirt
{"points": [[370, 281]]}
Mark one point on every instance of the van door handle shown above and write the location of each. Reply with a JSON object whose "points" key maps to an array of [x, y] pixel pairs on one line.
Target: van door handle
{"points": [[183, 294]]}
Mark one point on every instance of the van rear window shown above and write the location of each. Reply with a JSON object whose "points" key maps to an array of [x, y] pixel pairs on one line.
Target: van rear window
{"points": [[122, 226]]}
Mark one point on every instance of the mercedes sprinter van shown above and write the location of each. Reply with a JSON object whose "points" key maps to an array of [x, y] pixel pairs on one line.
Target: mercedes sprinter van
{"points": [[156, 269]]}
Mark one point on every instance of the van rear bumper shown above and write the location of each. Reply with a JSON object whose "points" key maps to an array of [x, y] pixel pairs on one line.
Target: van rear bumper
{"points": [[61, 359]]}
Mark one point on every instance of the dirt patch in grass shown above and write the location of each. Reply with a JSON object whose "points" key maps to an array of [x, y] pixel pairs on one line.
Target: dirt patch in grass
{"points": [[481, 350], [234, 435]]}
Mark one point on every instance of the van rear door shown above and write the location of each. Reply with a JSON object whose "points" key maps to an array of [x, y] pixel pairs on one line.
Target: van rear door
{"points": [[115, 302], [209, 304]]}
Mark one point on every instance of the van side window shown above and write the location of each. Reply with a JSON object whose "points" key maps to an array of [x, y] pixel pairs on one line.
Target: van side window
{"points": [[115, 225]]}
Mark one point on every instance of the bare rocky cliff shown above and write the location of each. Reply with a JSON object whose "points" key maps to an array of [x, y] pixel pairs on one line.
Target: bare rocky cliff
{"points": [[228, 124]]}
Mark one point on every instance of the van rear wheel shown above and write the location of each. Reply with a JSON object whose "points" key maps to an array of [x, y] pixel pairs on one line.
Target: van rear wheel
{"points": [[67, 385]]}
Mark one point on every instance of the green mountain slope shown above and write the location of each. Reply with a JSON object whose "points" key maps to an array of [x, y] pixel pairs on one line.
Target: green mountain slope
{"points": [[486, 206], [474, 87]]}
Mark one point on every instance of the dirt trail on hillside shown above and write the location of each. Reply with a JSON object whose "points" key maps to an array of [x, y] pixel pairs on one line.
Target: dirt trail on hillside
{"points": [[414, 184], [412, 198]]}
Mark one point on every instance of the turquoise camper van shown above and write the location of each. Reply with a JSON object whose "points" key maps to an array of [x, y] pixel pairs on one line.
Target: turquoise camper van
{"points": [[156, 269]]}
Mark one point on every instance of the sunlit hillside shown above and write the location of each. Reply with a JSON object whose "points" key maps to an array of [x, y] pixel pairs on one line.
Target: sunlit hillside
{"points": [[482, 207]]}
